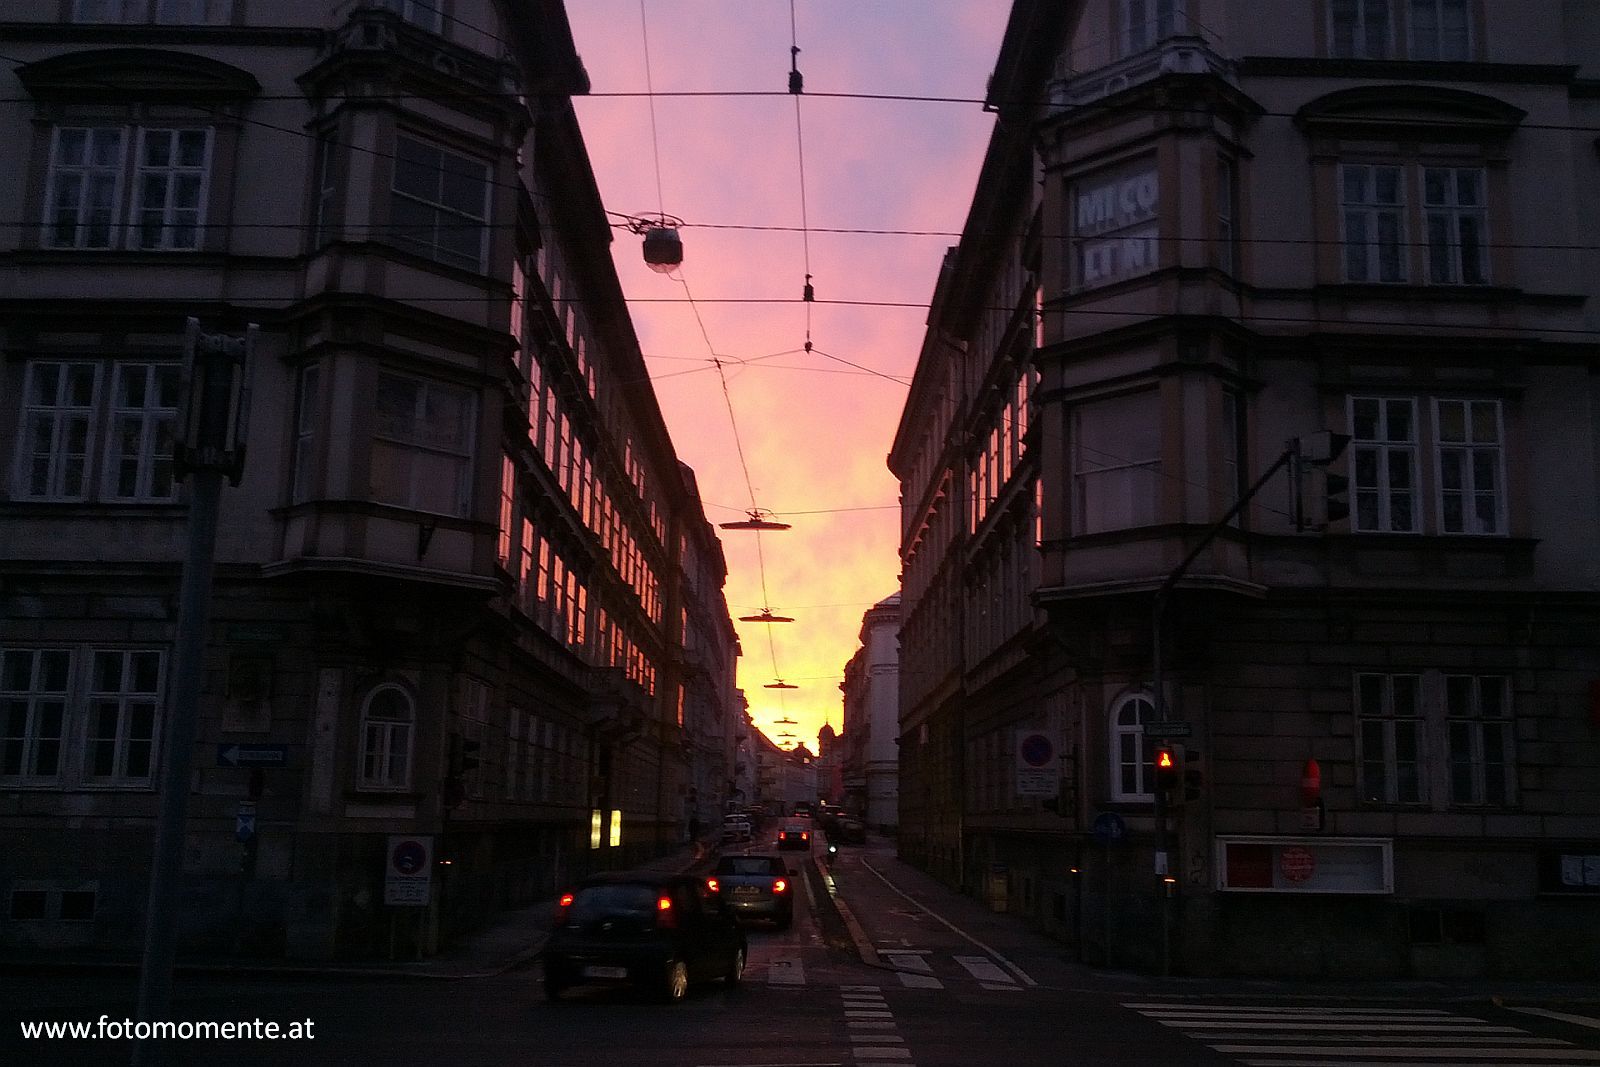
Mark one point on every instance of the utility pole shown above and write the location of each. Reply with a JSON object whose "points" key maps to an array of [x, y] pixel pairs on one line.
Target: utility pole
{"points": [[210, 444]]}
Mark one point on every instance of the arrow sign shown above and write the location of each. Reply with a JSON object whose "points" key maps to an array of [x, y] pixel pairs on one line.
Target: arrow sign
{"points": [[252, 755]]}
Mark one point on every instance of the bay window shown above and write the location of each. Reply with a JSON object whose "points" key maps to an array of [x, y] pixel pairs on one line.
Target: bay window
{"points": [[439, 203], [1116, 463], [422, 445]]}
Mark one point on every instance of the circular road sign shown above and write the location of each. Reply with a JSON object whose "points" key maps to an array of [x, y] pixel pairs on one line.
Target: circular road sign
{"points": [[1297, 864], [1037, 750], [409, 857], [1109, 827]]}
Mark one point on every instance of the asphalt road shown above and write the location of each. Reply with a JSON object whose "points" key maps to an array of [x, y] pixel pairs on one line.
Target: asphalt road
{"points": [[948, 990]]}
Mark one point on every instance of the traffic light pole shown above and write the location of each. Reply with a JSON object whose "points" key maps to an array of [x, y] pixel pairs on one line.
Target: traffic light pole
{"points": [[1158, 618]]}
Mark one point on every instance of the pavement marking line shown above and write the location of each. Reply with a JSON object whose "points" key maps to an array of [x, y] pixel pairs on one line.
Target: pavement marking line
{"points": [[908, 962], [860, 988], [983, 969], [869, 1024], [1346, 1052], [854, 1013], [1167, 1005], [998, 987], [1566, 1017], [1441, 1029], [1263, 1016], [927, 981], [1012, 967], [886, 1038], [882, 1054], [1420, 1039]]}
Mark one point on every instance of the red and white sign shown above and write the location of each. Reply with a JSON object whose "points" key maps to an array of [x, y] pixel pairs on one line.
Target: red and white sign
{"points": [[1297, 864], [408, 874]]}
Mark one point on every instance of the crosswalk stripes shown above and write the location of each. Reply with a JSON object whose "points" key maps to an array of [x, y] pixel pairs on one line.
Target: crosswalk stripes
{"points": [[1277, 1035], [988, 973]]}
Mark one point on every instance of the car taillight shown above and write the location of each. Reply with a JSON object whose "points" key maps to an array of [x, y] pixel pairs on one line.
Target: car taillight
{"points": [[664, 913], [711, 885], [805, 837], [562, 905], [779, 885]]}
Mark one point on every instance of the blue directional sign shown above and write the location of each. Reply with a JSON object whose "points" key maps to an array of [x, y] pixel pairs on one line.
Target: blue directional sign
{"points": [[1109, 827], [252, 755], [244, 822]]}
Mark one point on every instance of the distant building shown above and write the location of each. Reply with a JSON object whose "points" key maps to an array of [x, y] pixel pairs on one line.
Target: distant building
{"points": [[871, 718], [830, 765], [1198, 235], [465, 590]]}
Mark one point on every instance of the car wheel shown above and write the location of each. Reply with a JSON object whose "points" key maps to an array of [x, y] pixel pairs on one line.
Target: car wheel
{"points": [[676, 985], [736, 967]]}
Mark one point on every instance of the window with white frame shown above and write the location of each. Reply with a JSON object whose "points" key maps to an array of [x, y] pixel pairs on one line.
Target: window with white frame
{"points": [[144, 419], [422, 447], [1372, 212], [33, 712], [1389, 737], [1471, 466], [1478, 721], [1116, 455], [58, 424], [440, 203], [162, 12], [1132, 753], [1439, 29], [92, 174], [123, 699], [387, 731], [1146, 22], [1456, 216], [305, 437], [1360, 29], [1383, 459]]}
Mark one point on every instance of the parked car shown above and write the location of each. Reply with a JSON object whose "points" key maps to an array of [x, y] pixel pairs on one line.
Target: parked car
{"points": [[754, 887], [852, 831], [658, 932], [794, 835], [736, 828]]}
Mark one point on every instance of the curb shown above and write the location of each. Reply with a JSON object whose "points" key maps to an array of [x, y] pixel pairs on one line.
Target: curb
{"points": [[858, 936]]}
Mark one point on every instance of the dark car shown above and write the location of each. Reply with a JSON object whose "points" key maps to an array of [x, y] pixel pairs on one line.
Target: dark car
{"points": [[852, 831], [754, 887], [657, 932], [795, 835]]}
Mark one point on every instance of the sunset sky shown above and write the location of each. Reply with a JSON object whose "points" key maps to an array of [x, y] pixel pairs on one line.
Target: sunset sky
{"points": [[815, 431]]}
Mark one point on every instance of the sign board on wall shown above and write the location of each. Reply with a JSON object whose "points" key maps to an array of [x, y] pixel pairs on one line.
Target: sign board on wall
{"points": [[1115, 225], [408, 870], [1576, 872], [1305, 865], [1038, 773]]}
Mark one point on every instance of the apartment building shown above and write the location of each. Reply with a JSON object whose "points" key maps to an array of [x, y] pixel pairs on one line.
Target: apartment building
{"points": [[1205, 230], [457, 582]]}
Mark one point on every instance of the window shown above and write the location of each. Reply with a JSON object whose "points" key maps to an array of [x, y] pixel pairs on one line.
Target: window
{"points": [[1478, 718], [386, 737], [440, 203], [1132, 753], [325, 216], [33, 707], [1116, 225], [1471, 485], [1227, 199], [1233, 448], [1384, 464], [144, 416], [422, 451], [124, 695], [1359, 29], [1453, 209], [1389, 735], [305, 440], [57, 430], [169, 174], [166, 12], [508, 504], [429, 14], [1145, 22], [1439, 29], [1116, 449], [1372, 208]]}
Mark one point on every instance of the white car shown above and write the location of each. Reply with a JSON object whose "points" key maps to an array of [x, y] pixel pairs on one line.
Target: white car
{"points": [[736, 828]]}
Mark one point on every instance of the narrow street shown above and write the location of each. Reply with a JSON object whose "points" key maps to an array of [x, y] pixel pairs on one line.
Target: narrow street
{"points": [[951, 985]]}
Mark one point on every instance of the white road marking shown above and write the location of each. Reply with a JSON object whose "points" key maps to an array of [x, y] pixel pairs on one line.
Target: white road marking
{"points": [[887, 1039], [1012, 967], [1566, 1017], [908, 962], [924, 981], [1171, 1006], [883, 1054], [983, 969], [854, 1013], [997, 987], [1463, 1026], [869, 1024], [1346, 1052], [859, 988]]}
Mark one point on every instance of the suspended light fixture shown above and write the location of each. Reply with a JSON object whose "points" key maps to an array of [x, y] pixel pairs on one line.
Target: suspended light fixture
{"points": [[758, 520], [766, 615], [663, 247], [779, 684], [783, 722]]}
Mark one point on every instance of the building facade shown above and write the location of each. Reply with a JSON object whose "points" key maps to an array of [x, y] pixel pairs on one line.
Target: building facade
{"points": [[871, 686], [1200, 237], [455, 585]]}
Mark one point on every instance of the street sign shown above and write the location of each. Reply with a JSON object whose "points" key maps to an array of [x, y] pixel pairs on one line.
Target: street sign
{"points": [[408, 875], [252, 755], [1168, 729], [1037, 772], [1109, 827], [244, 821]]}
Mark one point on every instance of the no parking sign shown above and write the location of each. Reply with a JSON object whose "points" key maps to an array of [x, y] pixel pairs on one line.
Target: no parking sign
{"points": [[1037, 772], [408, 874]]}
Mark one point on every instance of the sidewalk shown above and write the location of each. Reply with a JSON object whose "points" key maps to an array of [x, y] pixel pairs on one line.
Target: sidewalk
{"points": [[512, 937], [1053, 965]]}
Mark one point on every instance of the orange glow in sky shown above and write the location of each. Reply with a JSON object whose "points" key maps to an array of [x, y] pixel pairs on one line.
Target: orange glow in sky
{"points": [[814, 430]]}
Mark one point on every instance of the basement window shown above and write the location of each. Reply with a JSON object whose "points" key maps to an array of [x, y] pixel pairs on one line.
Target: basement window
{"points": [[28, 905]]}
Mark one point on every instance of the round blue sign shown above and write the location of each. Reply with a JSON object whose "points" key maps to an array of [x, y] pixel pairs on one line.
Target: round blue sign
{"points": [[1109, 827]]}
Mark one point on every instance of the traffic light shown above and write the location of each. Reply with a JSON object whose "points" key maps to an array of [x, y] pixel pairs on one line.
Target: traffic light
{"points": [[1169, 772]]}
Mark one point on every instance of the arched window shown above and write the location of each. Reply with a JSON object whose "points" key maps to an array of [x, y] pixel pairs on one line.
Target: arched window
{"points": [[386, 733], [1132, 753]]}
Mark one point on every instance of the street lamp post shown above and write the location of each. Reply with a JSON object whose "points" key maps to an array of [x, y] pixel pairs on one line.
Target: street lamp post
{"points": [[209, 445]]}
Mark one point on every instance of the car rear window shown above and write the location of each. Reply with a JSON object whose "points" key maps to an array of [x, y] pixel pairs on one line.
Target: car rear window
{"points": [[625, 899], [748, 865]]}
